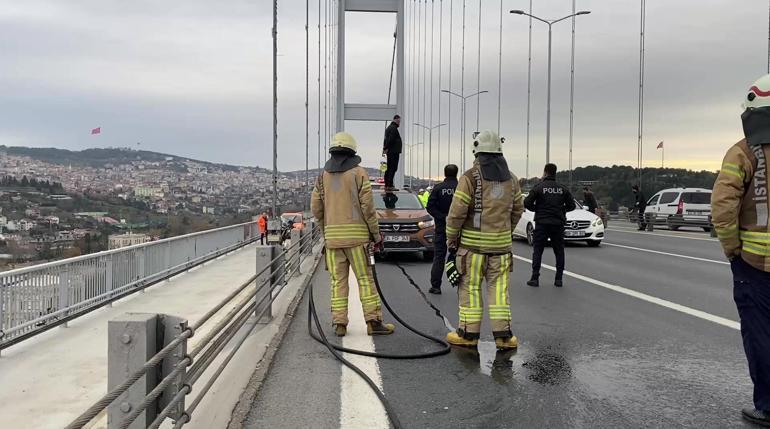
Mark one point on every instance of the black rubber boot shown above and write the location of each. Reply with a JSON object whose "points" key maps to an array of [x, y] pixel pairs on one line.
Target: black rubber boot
{"points": [[758, 417]]}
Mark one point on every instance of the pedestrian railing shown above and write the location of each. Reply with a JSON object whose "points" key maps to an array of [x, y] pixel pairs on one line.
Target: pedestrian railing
{"points": [[36, 298], [170, 371]]}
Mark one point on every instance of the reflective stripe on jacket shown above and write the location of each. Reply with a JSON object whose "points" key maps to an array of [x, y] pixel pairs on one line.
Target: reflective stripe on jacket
{"points": [[488, 230], [343, 204], [739, 205]]}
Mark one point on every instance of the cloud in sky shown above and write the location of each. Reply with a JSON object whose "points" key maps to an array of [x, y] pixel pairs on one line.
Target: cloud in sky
{"points": [[194, 77]]}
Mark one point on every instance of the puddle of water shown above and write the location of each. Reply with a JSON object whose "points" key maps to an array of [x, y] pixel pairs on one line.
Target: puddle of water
{"points": [[547, 367]]}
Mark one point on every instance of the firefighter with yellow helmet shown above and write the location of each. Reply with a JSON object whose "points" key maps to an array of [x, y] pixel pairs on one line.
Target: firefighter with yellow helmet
{"points": [[739, 210], [342, 203], [486, 206]]}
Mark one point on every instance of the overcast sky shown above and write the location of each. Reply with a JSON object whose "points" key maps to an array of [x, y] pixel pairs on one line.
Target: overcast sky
{"points": [[194, 77]]}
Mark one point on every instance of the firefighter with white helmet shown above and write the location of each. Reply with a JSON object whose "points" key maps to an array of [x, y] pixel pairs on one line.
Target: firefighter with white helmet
{"points": [[349, 226], [739, 210], [485, 208]]}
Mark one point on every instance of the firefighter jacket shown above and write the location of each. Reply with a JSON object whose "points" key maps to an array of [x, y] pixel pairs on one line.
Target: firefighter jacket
{"points": [[739, 205], [342, 203], [484, 212]]}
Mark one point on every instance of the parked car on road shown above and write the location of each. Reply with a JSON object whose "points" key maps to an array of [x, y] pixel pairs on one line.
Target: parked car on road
{"points": [[678, 207], [404, 223], [582, 225]]}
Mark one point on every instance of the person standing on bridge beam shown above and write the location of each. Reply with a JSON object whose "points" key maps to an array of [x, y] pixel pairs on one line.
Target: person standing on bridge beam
{"points": [[391, 150], [349, 225], [486, 205], [739, 212]]}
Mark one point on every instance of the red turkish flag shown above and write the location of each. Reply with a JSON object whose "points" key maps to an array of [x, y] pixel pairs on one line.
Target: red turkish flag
{"points": [[97, 130], [660, 145]]}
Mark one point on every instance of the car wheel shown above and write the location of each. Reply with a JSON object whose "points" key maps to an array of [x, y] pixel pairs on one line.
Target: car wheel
{"points": [[427, 256], [594, 243], [530, 234]]}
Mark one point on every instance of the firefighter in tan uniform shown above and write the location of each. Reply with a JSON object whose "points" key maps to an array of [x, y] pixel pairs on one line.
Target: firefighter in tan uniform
{"points": [[739, 210], [342, 203], [485, 208]]}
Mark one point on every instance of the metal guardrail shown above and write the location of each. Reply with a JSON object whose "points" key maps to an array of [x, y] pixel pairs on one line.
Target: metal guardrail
{"points": [[34, 299], [130, 403]]}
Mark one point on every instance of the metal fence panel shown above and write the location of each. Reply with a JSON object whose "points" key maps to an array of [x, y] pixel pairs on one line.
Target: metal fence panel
{"points": [[35, 297]]}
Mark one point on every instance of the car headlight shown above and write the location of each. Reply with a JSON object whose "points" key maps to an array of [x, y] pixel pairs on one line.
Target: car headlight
{"points": [[598, 222], [426, 224]]}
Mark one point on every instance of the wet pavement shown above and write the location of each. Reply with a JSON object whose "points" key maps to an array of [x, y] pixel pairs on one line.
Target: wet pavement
{"points": [[588, 357]]}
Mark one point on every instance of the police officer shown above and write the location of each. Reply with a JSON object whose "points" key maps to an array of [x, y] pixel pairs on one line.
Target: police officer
{"points": [[438, 206], [550, 201], [640, 202], [349, 225], [486, 206], [739, 212]]}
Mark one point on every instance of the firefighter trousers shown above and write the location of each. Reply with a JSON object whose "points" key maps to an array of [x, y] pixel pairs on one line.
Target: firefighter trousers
{"points": [[751, 291], [338, 263], [475, 268]]}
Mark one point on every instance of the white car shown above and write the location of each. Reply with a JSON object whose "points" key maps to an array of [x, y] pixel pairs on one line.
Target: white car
{"points": [[678, 207], [582, 225]]}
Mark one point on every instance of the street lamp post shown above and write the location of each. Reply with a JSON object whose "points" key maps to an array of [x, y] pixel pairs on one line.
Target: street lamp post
{"points": [[550, 23], [411, 167], [430, 148], [464, 98]]}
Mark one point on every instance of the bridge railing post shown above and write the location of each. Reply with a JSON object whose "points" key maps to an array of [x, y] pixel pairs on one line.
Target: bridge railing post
{"points": [[267, 256], [295, 252], [133, 339]]}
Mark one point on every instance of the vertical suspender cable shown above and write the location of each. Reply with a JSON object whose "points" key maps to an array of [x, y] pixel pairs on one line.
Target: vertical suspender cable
{"points": [[319, 86], [411, 89], [430, 110], [419, 75], [462, 91], [641, 92], [326, 73], [307, 94], [768, 38], [478, 73], [275, 108], [449, 96], [572, 93], [440, 66], [424, 83], [500, 70], [529, 88]]}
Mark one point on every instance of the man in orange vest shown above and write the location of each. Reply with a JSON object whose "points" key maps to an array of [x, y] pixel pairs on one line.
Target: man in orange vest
{"points": [[262, 228]]}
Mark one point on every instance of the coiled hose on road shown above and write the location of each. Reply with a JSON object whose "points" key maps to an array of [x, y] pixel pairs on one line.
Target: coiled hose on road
{"points": [[335, 349]]}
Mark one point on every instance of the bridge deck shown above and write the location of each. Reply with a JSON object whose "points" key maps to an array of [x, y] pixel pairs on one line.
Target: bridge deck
{"points": [[589, 355], [50, 379]]}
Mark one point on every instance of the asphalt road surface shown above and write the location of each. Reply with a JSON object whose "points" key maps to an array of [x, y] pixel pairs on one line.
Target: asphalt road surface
{"points": [[644, 334]]}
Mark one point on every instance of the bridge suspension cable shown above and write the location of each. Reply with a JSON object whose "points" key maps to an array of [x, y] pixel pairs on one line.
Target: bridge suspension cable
{"points": [[430, 110], [478, 73], [449, 97], [500, 70], [319, 87], [440, 67], [529, 88]]}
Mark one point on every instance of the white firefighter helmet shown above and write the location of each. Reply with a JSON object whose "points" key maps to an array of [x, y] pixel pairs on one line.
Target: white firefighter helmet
{"points": [[759, 94], [487, 142], [343, 140]]}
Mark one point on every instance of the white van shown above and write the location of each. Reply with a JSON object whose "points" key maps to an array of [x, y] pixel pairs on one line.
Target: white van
{"points": [[679, 207]]}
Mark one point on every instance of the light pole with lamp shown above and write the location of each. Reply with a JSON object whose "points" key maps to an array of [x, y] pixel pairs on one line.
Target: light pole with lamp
{"points": [[411, 168], [548, 113], [464, 98], [430, 148]]}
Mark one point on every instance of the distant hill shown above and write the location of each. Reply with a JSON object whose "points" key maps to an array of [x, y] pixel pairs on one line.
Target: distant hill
{"points": [[99, 157], [612, 185]]}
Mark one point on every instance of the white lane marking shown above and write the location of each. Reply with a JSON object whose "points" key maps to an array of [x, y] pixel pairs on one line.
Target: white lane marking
{"points": [[628, 231], [694, 258], [649, 298], [359, 406]]}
